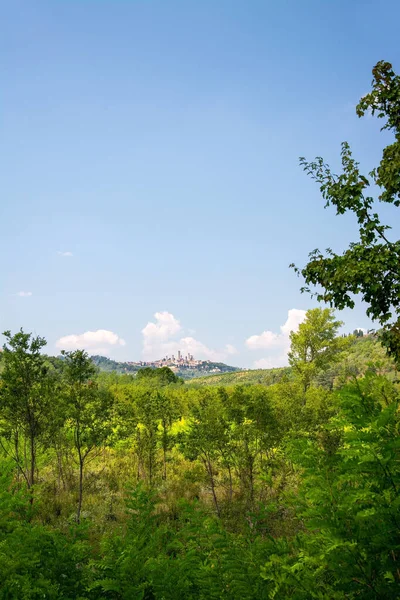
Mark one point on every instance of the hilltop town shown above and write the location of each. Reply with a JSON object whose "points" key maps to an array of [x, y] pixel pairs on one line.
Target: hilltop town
{"points": [[184, 366], [176, 362]]}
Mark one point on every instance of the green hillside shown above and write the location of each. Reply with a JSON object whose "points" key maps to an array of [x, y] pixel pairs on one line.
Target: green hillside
{"points": [[112, 366], [364, 354], [256, 376]]}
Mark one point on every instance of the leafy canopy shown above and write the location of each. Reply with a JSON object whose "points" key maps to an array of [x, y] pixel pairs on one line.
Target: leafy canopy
{"points": [[315, 345], [371, 266], [161, 376]]}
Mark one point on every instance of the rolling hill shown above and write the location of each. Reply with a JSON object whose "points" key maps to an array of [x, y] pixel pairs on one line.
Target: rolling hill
{"points": [[364, 353]]}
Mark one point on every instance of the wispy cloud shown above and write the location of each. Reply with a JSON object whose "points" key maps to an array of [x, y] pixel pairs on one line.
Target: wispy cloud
{"points": [[24, 294], [64, 253]]}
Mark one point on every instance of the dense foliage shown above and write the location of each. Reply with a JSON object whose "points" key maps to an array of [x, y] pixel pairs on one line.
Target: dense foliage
{"points": [[370, 267], [115, 486], [361, 354], [109, 366], [262, 376]]}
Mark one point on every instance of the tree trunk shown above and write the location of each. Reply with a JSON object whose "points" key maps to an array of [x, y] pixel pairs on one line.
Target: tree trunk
{"points": [[151, 456], [80, 493], [230, 483], [150, 468], [212, 483], [164, 464], [251, 480], [61, 477], [165, 443], [32, 466]]}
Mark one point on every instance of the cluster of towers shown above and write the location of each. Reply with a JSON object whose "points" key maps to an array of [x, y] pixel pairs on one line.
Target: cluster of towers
{"points": [[174, 362], [180, 359]]}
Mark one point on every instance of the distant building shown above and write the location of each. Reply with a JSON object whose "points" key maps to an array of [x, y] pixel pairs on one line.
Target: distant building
{"points": [[175, 363]]}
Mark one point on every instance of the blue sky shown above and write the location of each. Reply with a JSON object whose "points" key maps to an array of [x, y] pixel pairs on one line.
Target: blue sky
{"points": [[157, 141]]}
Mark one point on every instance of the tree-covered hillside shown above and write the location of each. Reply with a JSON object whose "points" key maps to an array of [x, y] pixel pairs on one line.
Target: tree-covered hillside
{"points": [[249, 377], [364, 353], [112, 366]]}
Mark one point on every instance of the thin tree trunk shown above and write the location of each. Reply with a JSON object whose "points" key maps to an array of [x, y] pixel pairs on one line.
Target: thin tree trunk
{"points": [[212, 483], [164, 464], [251, 481], [151, 457], [26, 465], [165, 441], [17, 460], [61, 477], [80, 493], [230, 483], [139, 455], [150, 467], [32, 467]]}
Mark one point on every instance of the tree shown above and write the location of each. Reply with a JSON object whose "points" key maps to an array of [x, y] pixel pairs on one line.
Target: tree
{"points": [[315, 345], [358, 333], [252, 433], [25, 401], [206, 437], [371, 266], [167, 411], [88, 411], [146, 432], [161, 376]]}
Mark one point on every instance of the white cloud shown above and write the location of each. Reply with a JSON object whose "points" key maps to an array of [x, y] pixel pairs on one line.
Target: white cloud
{"points": [[24, 294], [198, 349], [230, 349], [165, 336], [95, 342], [64, 253], [165, 327], [266, 339], [295, 318], [269, 340]]}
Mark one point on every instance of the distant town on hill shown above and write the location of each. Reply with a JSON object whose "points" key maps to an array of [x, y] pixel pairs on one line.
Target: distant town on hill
{"points": [[186, 367]]}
